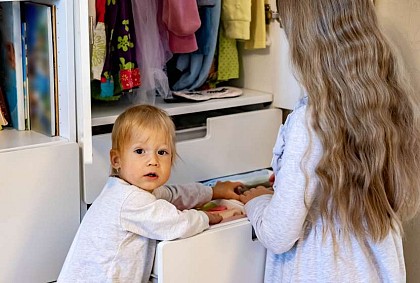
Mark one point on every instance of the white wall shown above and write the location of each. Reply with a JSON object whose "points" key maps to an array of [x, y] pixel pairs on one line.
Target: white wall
{"points": [[401, 22]]}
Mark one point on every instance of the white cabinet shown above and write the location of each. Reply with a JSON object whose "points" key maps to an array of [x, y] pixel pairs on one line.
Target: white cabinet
{"points": [[230, 144], [39, 211], [46, 181], [225, 253], [40, 178]]}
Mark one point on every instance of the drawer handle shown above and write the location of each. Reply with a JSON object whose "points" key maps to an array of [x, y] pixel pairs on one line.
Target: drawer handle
{"points": [[253, 234]]}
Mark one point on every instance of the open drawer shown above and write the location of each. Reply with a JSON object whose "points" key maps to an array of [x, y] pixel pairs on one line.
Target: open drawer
{"points": [[225, 253], [232, 144]]}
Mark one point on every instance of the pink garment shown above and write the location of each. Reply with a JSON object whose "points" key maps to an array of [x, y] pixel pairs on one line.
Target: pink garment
{"points": [[182, 20]]}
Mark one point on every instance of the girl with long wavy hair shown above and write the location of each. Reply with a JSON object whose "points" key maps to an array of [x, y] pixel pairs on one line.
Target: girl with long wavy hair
{"points": [[347, 160]]}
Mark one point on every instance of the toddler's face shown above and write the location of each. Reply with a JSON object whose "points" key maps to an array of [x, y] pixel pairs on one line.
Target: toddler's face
{"points": [[145, 161]]}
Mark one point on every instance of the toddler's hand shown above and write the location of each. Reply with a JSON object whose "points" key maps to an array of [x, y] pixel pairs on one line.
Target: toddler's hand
{"points": [[226, 190], [254, 192], [214, 218]]}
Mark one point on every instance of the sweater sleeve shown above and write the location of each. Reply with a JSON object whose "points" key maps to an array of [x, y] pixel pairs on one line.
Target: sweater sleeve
{"points": [[185, 196], [158, 219], [181, 17], [278, 220], [236, 18], [182, 20]]}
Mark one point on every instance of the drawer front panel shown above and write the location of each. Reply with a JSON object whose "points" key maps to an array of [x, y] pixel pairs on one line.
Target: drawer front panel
{"points": [[233, 144], [221, 254]]}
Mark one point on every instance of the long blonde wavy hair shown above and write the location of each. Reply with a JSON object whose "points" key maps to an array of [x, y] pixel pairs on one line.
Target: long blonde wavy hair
{"points": [[364, 112]]}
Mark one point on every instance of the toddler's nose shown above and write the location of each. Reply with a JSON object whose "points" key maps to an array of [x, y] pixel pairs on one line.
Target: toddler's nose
{"points": [[153, 161]]}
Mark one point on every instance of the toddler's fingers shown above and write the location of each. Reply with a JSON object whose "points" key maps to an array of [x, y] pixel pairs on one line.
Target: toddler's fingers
{"points": [[216, 218]]}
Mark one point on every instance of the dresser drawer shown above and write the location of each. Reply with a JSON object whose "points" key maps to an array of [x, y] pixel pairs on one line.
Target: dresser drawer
{"points": [[225, 253], [231, 144]]}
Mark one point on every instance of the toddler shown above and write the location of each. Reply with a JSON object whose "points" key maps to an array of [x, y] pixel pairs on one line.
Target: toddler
{"points": [[116, 240]]}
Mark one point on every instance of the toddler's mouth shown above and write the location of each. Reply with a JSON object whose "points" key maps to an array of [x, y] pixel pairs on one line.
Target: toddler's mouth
{"points": [[151, 175]]}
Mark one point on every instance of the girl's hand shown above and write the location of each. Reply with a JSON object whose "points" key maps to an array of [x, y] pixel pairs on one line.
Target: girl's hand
{"points": [[254, 192], [226, 190], [214, 218]]}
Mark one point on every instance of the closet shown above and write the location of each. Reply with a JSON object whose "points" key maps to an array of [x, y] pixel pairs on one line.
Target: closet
{"points": [[47, 182], [216, 138], [260, 84]]}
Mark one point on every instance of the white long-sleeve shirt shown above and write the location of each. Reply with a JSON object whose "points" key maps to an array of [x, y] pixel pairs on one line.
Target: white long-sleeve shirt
{"points": [[116, 240], [298, 255]]}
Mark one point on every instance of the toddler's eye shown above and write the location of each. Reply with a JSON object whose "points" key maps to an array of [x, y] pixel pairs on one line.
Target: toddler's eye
{"points": [[163, 152], [139, 151]]}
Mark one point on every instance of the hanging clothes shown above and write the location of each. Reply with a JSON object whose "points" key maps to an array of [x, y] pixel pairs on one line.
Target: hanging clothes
{"points": [[120, 72], [228, 58], [206, 2], [152, 47], [236, 18], [99, 41], [196, 66], [182, 20], [257, 38]]}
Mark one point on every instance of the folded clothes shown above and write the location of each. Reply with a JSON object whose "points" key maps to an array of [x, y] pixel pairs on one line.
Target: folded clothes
{"points": [[228, 212], [207, 206], [250, 179], [234, 217], [218, 208], [203, 95]]}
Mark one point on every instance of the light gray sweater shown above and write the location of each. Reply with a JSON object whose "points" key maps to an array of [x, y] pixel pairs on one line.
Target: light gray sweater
{"points": [[295, 255], [116, 240]]}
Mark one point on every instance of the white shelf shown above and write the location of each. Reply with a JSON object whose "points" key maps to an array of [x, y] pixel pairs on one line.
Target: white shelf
{"points": [[105, 114], [11, 139]]}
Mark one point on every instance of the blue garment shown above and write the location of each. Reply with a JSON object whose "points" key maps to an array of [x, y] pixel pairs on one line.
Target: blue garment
{"points": [[297, 252], [201, 60], [190, 73], [206, 2], [107, 88]]}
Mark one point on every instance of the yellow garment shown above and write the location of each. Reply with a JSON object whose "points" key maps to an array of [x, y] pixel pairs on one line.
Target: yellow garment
{"points": [[228, 60], [257, 31], [236, 18]]}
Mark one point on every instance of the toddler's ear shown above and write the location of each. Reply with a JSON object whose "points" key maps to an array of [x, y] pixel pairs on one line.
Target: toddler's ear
{"points": [[114, 157]]}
